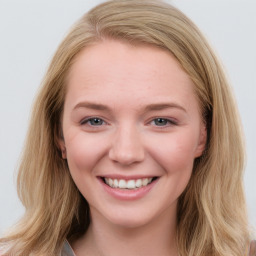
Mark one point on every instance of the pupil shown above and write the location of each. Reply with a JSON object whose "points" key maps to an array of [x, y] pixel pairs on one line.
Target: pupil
{"points": [[161, 121], [96, 121]]}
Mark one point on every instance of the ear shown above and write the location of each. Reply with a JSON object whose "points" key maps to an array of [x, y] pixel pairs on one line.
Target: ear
{"points": [[63, 152], [61, 145], [202, 141]]}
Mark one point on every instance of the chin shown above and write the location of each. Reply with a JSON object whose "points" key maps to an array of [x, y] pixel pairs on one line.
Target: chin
{"points": [[130, 223], [124, 218]]}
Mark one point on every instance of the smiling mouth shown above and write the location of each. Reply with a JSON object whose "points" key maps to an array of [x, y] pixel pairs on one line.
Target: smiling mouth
{"points": [[128, 184]]}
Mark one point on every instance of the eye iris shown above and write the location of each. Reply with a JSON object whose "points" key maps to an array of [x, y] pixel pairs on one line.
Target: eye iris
{"points": [[161, 121], [96, 121]]}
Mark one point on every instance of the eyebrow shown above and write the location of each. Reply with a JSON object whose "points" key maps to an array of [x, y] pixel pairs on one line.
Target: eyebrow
{"points": [[150, 107], [162, 106], [96, 106]]}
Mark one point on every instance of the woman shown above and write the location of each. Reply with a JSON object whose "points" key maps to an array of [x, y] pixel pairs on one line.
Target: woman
{"points": [[134, 145]]}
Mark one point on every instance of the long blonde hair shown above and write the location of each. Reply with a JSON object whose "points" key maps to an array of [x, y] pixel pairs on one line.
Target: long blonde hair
{"points": [[211, 214]]}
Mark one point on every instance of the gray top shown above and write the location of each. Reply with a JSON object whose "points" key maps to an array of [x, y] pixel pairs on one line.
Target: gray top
{"points": [[67, 250]]}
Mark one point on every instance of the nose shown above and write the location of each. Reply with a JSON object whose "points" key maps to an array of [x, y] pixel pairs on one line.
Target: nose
{"points": [[127, 147]]}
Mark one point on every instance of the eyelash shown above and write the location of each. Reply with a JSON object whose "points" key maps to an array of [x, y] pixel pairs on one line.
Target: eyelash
{"points": [[169, 122], [87, 120]]}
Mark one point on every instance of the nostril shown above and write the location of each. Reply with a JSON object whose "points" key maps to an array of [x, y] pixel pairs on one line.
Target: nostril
{"points": [[126, 149], [126, 158]]}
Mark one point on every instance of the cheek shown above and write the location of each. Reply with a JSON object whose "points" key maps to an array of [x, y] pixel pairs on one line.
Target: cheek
{"points": [[176, 157], [174, 153], [83, 152]]}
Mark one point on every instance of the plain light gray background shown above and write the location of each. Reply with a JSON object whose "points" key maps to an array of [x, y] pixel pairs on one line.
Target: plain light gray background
{"points": [[30, 32]]}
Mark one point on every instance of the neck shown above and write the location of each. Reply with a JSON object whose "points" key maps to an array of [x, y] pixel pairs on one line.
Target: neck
{"points": [[104, 238]]}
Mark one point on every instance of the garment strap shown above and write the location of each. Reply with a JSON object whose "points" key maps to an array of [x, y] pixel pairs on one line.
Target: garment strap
{"points": [[67, 250], [252, 251]]}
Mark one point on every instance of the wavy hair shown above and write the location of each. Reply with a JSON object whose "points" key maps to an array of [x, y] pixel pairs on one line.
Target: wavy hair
{"points": [[212, 218]]}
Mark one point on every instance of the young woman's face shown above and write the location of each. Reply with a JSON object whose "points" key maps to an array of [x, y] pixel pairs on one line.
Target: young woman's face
{"points": [[132, 129]]}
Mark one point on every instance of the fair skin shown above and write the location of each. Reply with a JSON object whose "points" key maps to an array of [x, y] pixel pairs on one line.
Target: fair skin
{"points": [[131, 117]]}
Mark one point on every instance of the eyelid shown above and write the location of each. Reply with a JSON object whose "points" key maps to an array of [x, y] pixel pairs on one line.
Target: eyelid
{"points": [[85, 121], [170, 121]]}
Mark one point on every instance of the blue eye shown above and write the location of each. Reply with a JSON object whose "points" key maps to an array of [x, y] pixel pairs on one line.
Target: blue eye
{"points": [[162, 122], [95, 121]]}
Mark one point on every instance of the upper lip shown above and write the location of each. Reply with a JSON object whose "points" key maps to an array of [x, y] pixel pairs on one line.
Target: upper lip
{"points": [[125, 177]]}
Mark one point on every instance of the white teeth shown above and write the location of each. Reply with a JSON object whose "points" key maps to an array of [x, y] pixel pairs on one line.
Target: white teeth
{"points": [[127, 184], [115, 183], [138, 183], [130, 184], [122, 184], [110, 182], [145, 182]]}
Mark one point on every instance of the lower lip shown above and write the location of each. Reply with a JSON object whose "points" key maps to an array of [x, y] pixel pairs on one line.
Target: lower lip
{"points": [[128, 194]]}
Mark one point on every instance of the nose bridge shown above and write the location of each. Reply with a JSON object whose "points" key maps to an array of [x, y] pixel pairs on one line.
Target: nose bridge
{"points": [[127, 146]]}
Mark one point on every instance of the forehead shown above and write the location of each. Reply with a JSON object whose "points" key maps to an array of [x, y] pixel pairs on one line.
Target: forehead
{"points": [[113, 69]]}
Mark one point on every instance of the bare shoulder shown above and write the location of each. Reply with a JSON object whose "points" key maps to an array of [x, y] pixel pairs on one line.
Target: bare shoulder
{"points": [[252, 248]]}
